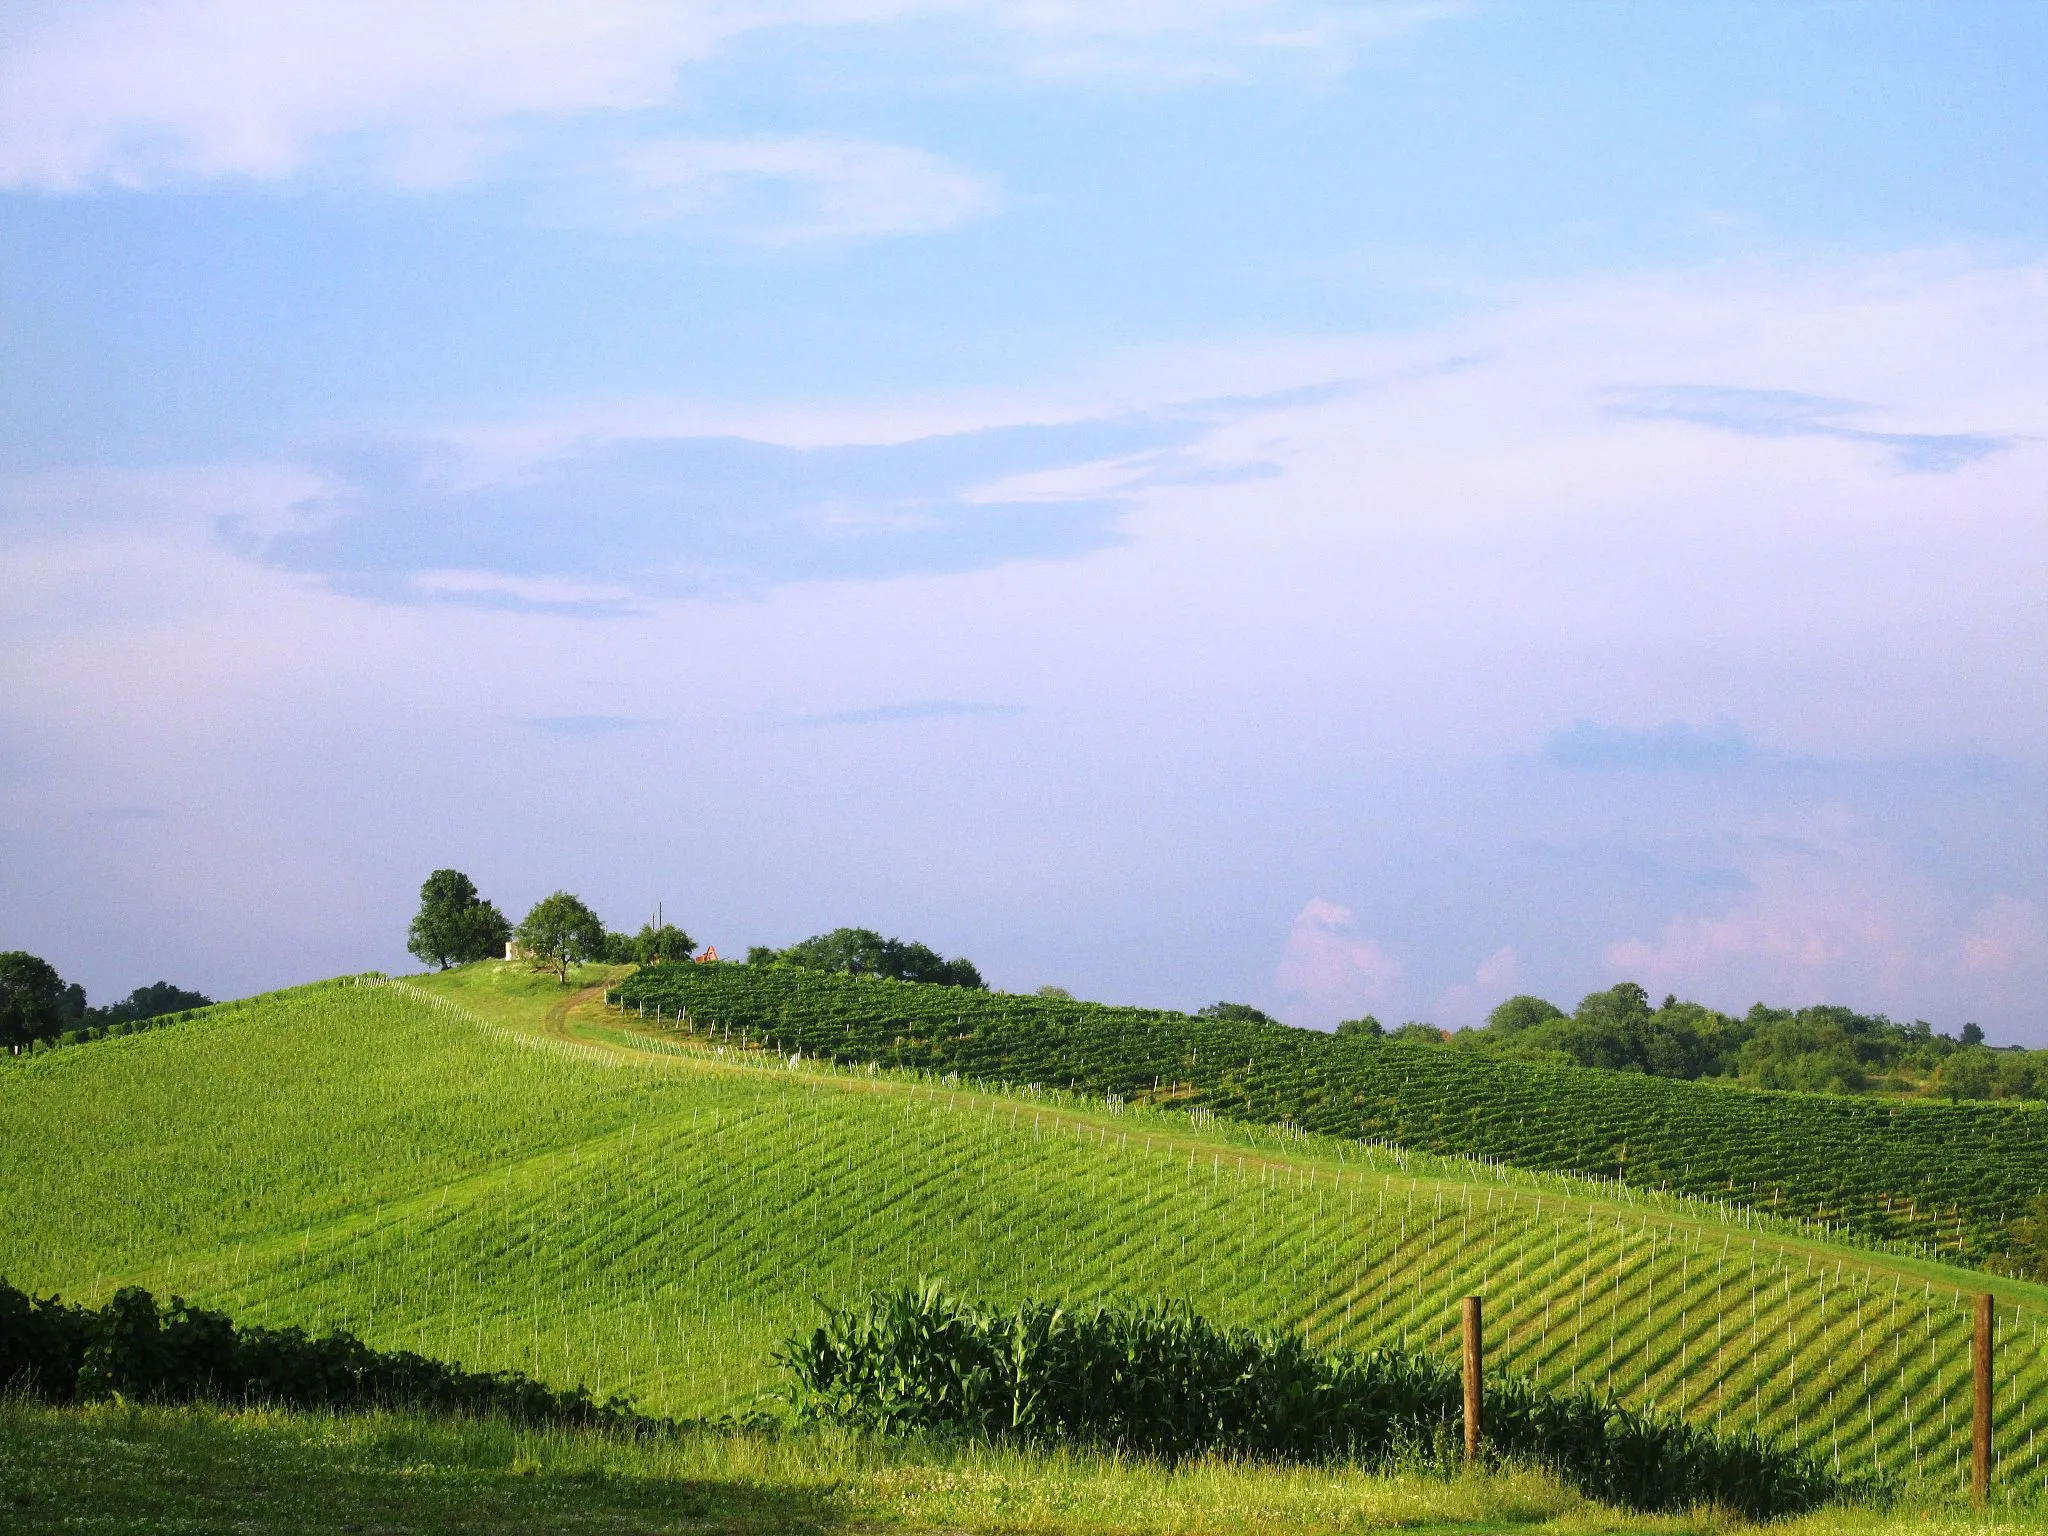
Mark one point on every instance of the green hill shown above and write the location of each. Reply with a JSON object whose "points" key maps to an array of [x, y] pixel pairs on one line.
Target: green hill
{"points": [[471, 1168], [1950, 1178]]}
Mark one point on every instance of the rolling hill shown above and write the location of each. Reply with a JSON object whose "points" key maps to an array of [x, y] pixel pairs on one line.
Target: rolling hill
{"points": [[485, 1168], [1948, 1179]]}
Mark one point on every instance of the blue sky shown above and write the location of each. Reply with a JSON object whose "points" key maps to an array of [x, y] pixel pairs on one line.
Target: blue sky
{"points": [[1342, 506]]}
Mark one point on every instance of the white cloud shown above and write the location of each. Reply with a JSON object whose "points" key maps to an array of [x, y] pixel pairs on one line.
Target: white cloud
{"points": [[1834, 914], [1497, 977], [137, 94], [792, 190], [1326, 973], [141, 93], [2008, 939]]}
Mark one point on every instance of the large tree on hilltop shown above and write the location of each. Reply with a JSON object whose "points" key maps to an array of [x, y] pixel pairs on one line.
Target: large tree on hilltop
{"points": [[455, 925], [561, 931], [32, 999]]}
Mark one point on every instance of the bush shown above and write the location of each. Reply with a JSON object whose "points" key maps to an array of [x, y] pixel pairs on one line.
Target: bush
{"points": [[59, 1353], [1163, 1381]]}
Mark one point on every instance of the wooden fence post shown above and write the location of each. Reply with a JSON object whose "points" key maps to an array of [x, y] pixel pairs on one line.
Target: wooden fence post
{"points": [[1475, 1354], [1980, 1427]]}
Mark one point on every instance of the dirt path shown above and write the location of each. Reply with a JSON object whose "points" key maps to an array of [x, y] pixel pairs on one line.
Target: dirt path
{"points": [[557, 1021]]}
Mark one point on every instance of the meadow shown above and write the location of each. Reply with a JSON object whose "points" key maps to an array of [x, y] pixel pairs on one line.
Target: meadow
{"points": [[469, 1167]]}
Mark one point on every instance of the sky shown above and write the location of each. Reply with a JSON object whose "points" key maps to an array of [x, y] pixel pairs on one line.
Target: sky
{"points": [[1366, 507]]}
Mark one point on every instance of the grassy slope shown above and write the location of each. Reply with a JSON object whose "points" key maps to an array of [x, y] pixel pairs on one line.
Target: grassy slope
{"points": [[469, 1180], [1949, 1179]]}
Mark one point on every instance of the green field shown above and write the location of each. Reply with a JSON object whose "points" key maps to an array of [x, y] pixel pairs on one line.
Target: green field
{"points": [[1945, 1178], [463, 1167]]}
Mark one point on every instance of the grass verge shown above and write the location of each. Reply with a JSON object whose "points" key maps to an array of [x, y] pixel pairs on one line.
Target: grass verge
{"points": [[123, 1468]]}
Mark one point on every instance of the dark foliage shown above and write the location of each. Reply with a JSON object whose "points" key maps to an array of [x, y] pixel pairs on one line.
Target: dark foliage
{"points": [[655, 944], [39, 1006], [1236, 1013], [1162, 1381], [455, 925], [863, 952], [59, 1353], [151, 1002], [32, 999]]}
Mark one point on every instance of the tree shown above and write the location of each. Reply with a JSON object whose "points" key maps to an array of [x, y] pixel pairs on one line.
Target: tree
{"points": [[559, 932], [1969, 1074], [864, 952], [152, 1002], [32, 999], [1364, 1027], [455, 925], [1236, 1013], [1522, 1012], [1421, 1031], [1057, 994], [1973, 1034], [663, 945]]}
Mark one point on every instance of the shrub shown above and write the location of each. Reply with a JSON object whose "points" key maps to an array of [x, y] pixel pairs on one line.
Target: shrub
{"points": [[60, 1354], [1162, 1381]]}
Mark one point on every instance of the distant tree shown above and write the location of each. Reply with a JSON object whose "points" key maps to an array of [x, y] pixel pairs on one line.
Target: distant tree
{"points": [[864, 952], [1420, 1031], [1522, 1012], [1973, 1034], [2022, 1074], [152, 1002], [1365, 1026], [455, 925], [1971, 1073], [1057, 994], [663, 945], [559, 932], [1236, 1013], [33, 999]]}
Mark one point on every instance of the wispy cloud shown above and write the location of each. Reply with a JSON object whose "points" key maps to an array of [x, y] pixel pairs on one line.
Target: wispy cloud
{"points": [[597, 525], [1327, 971], [1671, 745], [147, 93], [901, 714], [1786, 413], [586, 725], [792, 190]]}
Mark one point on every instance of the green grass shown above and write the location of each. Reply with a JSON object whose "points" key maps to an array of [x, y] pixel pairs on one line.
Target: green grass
{"points": [[443, 1169], [1947, 1178], [167, 1470]]}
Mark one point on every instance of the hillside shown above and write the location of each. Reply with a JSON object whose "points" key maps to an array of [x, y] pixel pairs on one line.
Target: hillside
{"points": [[476, 1169], [1950, 1177]]}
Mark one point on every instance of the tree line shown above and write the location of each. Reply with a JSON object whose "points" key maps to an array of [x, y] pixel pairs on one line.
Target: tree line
{"points": [[455, 925], [38, 1006], [1826, 1048]]}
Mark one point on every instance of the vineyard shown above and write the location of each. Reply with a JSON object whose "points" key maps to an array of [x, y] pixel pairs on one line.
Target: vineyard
{"points": [[428, 1168], [1947, 1178]]}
